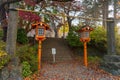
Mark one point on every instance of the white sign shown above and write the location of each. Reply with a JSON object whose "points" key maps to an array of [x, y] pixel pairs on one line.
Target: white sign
{"points": [[53, 51]]}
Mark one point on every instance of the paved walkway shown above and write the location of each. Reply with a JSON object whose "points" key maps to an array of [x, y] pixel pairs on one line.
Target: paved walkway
{"points": [[71, 70]]}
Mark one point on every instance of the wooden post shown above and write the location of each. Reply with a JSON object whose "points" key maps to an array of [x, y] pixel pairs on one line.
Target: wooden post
{"points": [[85, 54], [39, 54]]}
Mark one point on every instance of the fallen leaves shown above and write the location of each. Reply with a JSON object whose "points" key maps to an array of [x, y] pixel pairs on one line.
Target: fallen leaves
{"points": [[71, 71]]}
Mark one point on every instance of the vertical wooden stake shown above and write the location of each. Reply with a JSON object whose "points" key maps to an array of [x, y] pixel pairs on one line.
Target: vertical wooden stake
{"points": [[85, 54], [39, 55]]}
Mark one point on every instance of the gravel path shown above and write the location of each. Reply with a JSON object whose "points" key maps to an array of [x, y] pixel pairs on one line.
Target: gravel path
{"points": [[71, 70]]}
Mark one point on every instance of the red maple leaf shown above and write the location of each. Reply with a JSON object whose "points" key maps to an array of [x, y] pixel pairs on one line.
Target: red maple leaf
{"points": [[30, 2], [29, 16]]}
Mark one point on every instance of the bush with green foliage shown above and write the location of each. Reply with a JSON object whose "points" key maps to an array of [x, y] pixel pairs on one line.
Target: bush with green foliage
{"points": [[22, 36], [73, 38], [4, 58], [29, 54], [26, 69], [98, 42], [94, 59], [98, 39], [117, 41]]}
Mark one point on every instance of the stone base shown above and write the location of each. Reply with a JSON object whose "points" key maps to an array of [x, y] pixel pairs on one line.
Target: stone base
{"points": [[12, 71], [111, 64]]}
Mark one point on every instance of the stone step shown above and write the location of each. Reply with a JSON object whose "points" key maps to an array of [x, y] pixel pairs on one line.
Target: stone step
{"points": [[56, 59], [111, 64], [112, 58], [62, 50]]}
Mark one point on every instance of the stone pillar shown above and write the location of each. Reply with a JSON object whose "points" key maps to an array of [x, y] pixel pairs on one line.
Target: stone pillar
{"points": [[111, 37], [12, 30], [111, 61], [13, 68]]}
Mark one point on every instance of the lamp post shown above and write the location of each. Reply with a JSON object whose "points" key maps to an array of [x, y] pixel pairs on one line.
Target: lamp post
{"points": [[85, 37], [40, 28]]}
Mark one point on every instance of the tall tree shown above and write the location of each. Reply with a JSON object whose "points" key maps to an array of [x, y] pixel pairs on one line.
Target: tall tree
{"points": [[62, 9], [95, 9]]}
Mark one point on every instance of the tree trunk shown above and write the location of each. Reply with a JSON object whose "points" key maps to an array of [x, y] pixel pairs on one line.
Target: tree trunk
{"points": [[56, 33], [69, 22]]}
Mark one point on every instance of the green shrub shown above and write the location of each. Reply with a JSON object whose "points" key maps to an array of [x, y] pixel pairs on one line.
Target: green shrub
{"points": [[98, 39], [97, 43], [98, 34], [2, 49], [94, 59], [29, 54], [4, 58], [117, 41], [26, 69], [22, 36], [73, 38]]}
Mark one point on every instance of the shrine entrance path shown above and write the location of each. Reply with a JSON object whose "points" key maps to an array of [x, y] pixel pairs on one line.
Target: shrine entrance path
{"points": [[67, 65], [71, 70]]}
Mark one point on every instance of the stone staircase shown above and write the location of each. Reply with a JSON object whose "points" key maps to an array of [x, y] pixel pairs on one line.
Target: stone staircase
{"points": [[111, 64], [63, 52]]}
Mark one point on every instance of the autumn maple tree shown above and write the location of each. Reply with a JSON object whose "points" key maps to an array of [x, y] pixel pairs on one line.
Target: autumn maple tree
{"points": [[29, 16]]}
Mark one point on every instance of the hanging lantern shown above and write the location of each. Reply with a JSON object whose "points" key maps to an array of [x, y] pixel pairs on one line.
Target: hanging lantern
{"points": [[84, 33], [40, 28]]}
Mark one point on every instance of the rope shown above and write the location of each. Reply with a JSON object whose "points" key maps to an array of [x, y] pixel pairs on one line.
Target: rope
{"points": [[88, 18]]}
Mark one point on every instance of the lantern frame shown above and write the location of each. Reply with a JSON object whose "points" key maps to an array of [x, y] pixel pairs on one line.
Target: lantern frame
{"points": [[84, 33], [40, 26]]}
